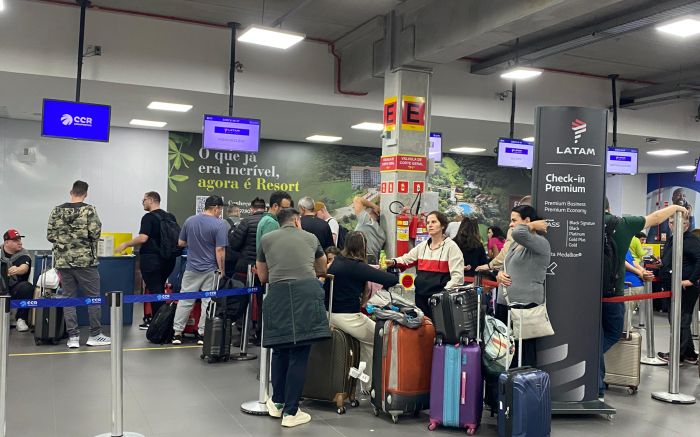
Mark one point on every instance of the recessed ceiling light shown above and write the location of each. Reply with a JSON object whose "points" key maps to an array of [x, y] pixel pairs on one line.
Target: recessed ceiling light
{"points": [[323, 139], [686, 167], [468, 150], [2, 5], [667, 152], [369, 126], [147, 123], [164, 106], [266, 36], [529, 139], [519, 73], [683, 28]]}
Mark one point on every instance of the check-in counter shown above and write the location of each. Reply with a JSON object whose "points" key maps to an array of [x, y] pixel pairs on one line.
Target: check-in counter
{"points": [[116, 274]]}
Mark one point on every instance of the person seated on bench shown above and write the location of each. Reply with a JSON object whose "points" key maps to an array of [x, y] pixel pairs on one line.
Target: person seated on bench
{"points": [[16, 264], [350, 293]]}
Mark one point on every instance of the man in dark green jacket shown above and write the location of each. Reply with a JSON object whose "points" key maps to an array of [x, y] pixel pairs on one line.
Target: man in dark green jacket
{"points": [[290, 259]]}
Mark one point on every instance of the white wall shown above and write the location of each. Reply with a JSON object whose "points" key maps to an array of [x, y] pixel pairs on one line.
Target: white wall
{"points": [[627, 194], [119, 172]]}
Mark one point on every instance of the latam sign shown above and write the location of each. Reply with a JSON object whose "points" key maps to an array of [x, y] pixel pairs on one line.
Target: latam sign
{"points": [[78, 121]]}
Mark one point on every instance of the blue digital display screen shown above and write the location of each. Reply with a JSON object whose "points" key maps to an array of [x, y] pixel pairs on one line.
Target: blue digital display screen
{"points": [[231, 133], [621, 160], [76, 121], [515, 153], [435, 150]]}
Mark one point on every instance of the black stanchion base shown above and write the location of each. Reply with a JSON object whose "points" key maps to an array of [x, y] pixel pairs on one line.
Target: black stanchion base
{"points": [[243, 357], [587, 407]]}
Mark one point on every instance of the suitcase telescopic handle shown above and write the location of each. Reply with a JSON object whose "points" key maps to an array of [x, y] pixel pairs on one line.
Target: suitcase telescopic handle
{"points": [[330, 277]]}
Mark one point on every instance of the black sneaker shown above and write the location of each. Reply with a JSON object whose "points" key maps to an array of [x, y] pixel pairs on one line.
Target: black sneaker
{"points": [[199, 339], [144, 326], [177, 339], [693, 360], [663, 356]]}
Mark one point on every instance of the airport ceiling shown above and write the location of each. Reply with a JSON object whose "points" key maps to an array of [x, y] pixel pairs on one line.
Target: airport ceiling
{"points": [[618, 37]]}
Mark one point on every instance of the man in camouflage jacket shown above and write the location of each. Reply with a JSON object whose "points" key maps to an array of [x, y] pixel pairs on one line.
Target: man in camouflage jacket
{"points": [[74, 229]]}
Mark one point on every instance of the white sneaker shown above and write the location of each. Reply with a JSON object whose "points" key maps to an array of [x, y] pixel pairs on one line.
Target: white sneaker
{"points": [[298, 419], [99, 340], [73, 342], [22, 326], [273, 409]]}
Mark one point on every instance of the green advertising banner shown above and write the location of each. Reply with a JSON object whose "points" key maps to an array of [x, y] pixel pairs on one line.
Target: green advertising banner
{"points": [[470, 185]]}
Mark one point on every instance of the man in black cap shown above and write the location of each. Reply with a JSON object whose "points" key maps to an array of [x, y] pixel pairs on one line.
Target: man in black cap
{"points": [[16, 264], [205, 236]]}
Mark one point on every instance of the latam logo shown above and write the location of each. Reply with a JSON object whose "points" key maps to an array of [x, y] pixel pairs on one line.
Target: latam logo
{"points": [[579, 127], [68, 120]]}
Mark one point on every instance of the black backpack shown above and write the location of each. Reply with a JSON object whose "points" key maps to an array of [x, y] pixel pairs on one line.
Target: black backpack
{"points": [[169, 235], [342, 232], [611, 270]]}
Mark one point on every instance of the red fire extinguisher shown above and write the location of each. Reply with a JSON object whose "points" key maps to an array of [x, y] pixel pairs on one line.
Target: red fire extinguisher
{"points": [[402, 228], [413, 227], [421, 230]]}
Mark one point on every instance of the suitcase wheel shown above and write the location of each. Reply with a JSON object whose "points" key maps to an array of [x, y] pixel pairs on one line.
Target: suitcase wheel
{"points": [[201, 357], [226, 358], [354, 403], [341, 410], [395, 418], [375, 411], [38, 342], [211, 360], [471, 431], [432, 426], [632, 390]]}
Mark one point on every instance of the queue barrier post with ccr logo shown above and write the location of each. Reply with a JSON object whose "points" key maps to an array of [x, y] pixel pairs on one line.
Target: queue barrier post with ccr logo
{"points": [[244, 355], [4, 339], [650, 359], [259, 407], [115, 301]]}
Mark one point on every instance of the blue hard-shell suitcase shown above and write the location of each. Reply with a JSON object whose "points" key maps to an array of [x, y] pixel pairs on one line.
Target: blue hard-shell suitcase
{"points": [[524, 404]]}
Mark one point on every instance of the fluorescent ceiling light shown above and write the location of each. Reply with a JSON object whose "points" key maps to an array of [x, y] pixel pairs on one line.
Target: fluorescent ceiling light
{"points": [[686, 167], [369, 126], [530, 139], [323, 138], [667, 152], [682, 28], [2, 5], [147, 123], [521, 73], [266, 36], [164, 106], [467, 150]]}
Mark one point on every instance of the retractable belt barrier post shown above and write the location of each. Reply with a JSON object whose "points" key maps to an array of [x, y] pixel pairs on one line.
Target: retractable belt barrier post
{"points": [[694, 324], [4, 339], [114, 298], [673, 395], [651, 359], [259, 406], [243, 355]]}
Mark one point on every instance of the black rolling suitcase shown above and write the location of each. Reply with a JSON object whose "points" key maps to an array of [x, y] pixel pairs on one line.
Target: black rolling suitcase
{"points": [[328, 372], [49, 324], [455, 313], [217, 330]]}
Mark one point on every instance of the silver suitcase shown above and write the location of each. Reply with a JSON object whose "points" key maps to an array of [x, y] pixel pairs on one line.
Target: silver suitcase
{"points": [[622, 361]]}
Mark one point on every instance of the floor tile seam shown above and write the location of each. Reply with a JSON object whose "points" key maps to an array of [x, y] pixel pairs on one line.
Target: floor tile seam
{"points": [[223, 406]]}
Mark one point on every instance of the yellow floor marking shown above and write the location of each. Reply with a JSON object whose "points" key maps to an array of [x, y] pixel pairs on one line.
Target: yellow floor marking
{"points": [[34, 354]]}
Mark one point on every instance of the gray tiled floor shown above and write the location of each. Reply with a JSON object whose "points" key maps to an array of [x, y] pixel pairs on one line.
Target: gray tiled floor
{"points": [[172, 393]]}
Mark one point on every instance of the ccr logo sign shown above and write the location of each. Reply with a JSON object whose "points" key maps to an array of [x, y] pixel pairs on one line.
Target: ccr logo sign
{"points": [[77, 120]]}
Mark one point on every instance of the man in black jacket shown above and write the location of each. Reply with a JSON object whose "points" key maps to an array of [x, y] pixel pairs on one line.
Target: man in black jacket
{"points": [[243, 237], [691, 291]]}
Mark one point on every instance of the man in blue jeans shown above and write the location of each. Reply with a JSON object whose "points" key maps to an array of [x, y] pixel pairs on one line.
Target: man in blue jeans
{"points": [[613, 314]]}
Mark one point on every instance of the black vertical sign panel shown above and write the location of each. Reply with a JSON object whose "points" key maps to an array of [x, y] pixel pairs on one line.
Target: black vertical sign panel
{"points": [[569, 190]]}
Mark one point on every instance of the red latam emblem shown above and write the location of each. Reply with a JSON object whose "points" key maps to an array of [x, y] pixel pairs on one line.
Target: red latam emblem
{"points": [[579, 127]]}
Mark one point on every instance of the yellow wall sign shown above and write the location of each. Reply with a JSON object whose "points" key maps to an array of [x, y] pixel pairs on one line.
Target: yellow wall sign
{"points": [[390, 110]]}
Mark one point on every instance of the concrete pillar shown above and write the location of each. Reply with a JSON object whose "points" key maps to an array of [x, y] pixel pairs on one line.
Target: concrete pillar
{"points": [[404, 161]]}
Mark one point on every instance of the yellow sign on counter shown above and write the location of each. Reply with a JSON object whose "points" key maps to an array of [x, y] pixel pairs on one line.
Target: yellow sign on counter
{"points": [[110, 240], [652, 249]]}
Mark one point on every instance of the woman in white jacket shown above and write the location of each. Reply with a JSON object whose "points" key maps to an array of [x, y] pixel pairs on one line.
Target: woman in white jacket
{"points": [[439, 262]]}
